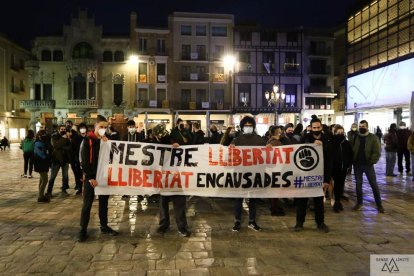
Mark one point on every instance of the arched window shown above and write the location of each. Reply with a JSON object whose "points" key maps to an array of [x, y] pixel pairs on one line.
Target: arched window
{"points": [[46, 55], [79, 87], [57, 55], [107, 56], [82, 50], [92, 87], [119, 56]]}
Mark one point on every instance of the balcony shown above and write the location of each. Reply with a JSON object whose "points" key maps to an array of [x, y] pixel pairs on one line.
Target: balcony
{"points": [[82, 103], [291, 67], [319, 89], [37, 104]]}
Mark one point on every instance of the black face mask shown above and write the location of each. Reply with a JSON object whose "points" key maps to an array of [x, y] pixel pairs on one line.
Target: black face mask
{"points": [[62, 133], [339, 137], [182, 127], [316, 133], [363, 130]]}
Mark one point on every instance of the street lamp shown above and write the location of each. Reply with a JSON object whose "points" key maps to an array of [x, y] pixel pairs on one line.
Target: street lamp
{"points": [[274, 98]]}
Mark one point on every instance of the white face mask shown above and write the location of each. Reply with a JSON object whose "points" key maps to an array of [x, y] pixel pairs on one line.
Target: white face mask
{"points": [[102, 132], [248, 129], [403, 127], [132, 130], [82, 130]]}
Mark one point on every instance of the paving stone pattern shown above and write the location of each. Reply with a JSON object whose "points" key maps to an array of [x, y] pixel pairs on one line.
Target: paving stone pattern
{"points": [[41, 238]]}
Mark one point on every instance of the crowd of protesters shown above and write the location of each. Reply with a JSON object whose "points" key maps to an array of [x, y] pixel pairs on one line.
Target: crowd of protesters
{"points": [[358, 149]]}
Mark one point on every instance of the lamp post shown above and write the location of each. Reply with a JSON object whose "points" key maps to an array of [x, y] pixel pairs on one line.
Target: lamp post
{"points": [[274, 98]]}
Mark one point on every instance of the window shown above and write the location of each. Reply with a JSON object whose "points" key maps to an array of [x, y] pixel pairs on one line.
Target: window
{"points": [[46, 55], [219, 74], [219, 96], [268, 61], [318, 66], [161, 77], [290, 93], [245, 36], [201, 96], [22, 86], [201, 72], [290, 57], [201, 30], [185, 73], [92, 88], [268, 36], [201, 51], [142, 72], [13, 87], [185, 51], [118, 87], [57, 55], [186, 98], [185, 30], [244, 94], [219, 31], [218, 51], [13, 62], [119, 56], [82, 50], [142, 45], [161, 46], [38, 92], [107, 56], [79, 87], [244, 57], [143, 95], [47, 91], [21, 64], [161, 96]]}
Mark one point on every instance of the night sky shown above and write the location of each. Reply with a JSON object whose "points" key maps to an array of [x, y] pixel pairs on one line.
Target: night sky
{"points": [[21, 21]]}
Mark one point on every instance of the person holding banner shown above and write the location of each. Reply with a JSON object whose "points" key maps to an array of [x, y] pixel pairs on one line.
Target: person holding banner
{"points": [[179, 201], [317, 137], [90, 155], [247, 138]]}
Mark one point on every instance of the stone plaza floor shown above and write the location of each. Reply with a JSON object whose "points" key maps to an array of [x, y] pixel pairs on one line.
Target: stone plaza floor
{"points": [[41, 238]]}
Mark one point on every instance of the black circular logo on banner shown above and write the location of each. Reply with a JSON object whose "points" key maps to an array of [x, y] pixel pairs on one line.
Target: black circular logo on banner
{"points": [[306, 158]]}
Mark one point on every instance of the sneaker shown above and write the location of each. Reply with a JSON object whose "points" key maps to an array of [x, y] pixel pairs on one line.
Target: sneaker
{"points": [[78, 192], [108, 230], [336, 207], [30, 176], [64, 193], [357, 207], [124, 197], [252, 225], [323, 228], [409, 173], [332, 202], [381, 209], [340, 206], [298, 227], [48, 195], [43, 199], [162, 229], [236, 227], [82, 236], [24, 175], [184, 232]]}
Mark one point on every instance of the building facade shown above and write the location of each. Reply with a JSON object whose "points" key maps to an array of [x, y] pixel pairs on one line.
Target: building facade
{"points": [[380, 45], [13, 89], [268, 57], [201, 67]]}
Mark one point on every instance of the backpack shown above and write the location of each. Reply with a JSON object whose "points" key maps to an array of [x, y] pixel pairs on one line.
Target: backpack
{"points": [[28, 145]]}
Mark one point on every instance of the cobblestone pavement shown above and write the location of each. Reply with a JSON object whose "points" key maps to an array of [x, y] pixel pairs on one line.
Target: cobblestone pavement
{"points": [[42, 237]]}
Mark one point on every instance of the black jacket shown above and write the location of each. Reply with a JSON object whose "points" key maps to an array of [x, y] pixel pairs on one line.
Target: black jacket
{"points": [[136, 137], [342, 154], [90, 157], [327, 154], [198, 138]]}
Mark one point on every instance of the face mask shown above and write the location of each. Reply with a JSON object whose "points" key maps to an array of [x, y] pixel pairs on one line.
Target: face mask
{"points": [[181, 126], [213, 130], [362, 130], [132, 130], [317, 133], [248, 129], [403, 127], [68, 128], [340, 137], [62, 133], [82, 130], [102, 132], [354, 129]]}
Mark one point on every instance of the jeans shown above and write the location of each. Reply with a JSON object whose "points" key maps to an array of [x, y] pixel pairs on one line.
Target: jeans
{"points": [[77, 172], [28, 162], [179, 204], [372, 180], [406, 154], [42, 184], [88, 197], [390, 159], [54, 171], [238, 206], [302, 205]]}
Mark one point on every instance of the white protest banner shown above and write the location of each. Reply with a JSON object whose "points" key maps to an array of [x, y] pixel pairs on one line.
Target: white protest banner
{"points": [[130, 168]]}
